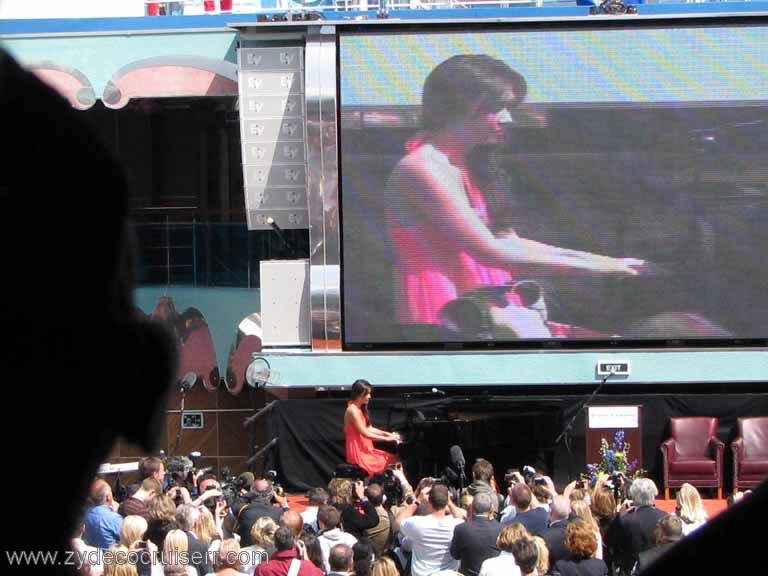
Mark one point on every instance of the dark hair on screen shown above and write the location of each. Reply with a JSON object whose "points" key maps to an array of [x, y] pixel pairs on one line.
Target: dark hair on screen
{"points": [[458, 83], [451, 90]]}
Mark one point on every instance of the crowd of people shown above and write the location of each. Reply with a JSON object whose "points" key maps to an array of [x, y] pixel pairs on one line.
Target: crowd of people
{"points": [[383, 526]]}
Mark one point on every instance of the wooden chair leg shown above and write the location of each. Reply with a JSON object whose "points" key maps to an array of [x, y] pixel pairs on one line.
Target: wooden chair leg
{"points": [[666, 493], [719, 492]]}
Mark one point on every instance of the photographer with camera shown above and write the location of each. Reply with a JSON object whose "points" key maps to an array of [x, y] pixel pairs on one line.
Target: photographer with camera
{"points": [[634, 529], [554, 535], [483, 482], [261, 502], [527, 510], [316, 497], [211, 496], [357, 513], [239, 490], [431, 536]]}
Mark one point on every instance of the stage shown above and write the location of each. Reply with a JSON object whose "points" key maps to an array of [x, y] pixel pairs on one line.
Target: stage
{"points": [[509, 431]]}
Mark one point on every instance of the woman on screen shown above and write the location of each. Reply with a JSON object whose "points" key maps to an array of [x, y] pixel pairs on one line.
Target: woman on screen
{"points": [[360, 435], [442, 233]]}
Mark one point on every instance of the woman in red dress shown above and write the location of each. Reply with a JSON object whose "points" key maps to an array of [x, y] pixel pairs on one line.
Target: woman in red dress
{"points": [[361, 435], [444, 236]]}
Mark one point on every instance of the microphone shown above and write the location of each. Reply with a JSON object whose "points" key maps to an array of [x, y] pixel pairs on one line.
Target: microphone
{"points": [[279, 231], [457, 458], [188, 381], [438, 392]]}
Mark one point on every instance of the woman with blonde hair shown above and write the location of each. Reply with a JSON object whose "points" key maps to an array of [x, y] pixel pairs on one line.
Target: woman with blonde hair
{"points": [[542, 566], [119, 566], [690, 508], [175, 548], [133, 530], [263, 533], [227, 562], [205, 528], [582, 510], [384, 567], [504, 564], [263, 538]]}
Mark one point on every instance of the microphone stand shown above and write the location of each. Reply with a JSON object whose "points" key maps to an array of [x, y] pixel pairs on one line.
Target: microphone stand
{"points": [[183, 393], [258, 454], [286, 244], [565, 434]]}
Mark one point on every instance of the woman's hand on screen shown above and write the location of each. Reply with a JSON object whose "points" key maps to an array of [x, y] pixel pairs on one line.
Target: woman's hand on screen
{"points": [[623, 266]]}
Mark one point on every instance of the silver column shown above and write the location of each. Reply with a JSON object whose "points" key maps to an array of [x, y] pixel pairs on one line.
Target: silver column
{"points": [[322, 188]]}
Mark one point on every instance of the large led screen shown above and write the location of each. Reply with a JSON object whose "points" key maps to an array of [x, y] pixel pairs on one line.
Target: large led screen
{"points": [[555, 185]]}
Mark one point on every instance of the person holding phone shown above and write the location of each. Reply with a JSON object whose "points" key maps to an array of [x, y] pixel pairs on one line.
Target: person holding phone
{"points": [[360, 435]]}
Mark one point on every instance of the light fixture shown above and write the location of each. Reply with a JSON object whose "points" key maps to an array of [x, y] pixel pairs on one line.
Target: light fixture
{"points": [[258, 372]]}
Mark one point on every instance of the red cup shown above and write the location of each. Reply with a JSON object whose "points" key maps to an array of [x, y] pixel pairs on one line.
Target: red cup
{"points": [[153, 9], [226, 5], [209, 5]]}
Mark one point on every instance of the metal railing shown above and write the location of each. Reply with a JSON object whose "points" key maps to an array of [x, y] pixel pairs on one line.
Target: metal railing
{"points": [[196, 7]]}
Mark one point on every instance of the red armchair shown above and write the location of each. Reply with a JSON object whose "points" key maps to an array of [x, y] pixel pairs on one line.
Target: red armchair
{"points": [[693, 454], [750, 453]]}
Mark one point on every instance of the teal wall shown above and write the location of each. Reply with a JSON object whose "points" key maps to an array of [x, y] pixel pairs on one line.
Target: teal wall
{"points": [[534, 368], [99, 57], [223, 308]]}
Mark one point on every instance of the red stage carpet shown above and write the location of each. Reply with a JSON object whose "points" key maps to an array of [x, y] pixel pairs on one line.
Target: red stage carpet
{"points": [[298, 502], [713, 506]]}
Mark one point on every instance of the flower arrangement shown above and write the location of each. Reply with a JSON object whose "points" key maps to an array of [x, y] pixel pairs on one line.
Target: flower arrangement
{"points": [[615, 458]]}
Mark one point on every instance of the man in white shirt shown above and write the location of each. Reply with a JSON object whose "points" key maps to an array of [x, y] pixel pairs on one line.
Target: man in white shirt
{"points": [[328, 519], [317, 497], [430, 536]]}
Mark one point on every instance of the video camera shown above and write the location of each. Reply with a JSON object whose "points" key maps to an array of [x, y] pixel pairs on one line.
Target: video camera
{"points": [[271, 475], [616, 482]]}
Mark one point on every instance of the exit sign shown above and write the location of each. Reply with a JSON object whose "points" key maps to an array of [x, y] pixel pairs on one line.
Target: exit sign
{"points": [[613, 368]]}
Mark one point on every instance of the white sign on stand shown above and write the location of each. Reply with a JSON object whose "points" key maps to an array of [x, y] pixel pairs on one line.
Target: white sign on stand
{"points": [[613, 417]]}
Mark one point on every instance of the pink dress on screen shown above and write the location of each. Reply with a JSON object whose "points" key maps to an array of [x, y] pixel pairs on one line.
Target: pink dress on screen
{"points": [[432, 267], [361, 452]]}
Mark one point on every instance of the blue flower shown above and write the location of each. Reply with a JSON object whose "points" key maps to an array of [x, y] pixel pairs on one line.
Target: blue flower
{"points": [[618, 440]]}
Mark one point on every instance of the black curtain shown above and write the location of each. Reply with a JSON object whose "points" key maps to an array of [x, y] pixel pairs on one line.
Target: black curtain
{"points": [[513, 431]]}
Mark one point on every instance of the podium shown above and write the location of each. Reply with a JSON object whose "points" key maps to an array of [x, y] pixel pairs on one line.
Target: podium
{"points": [[605, 421]]}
